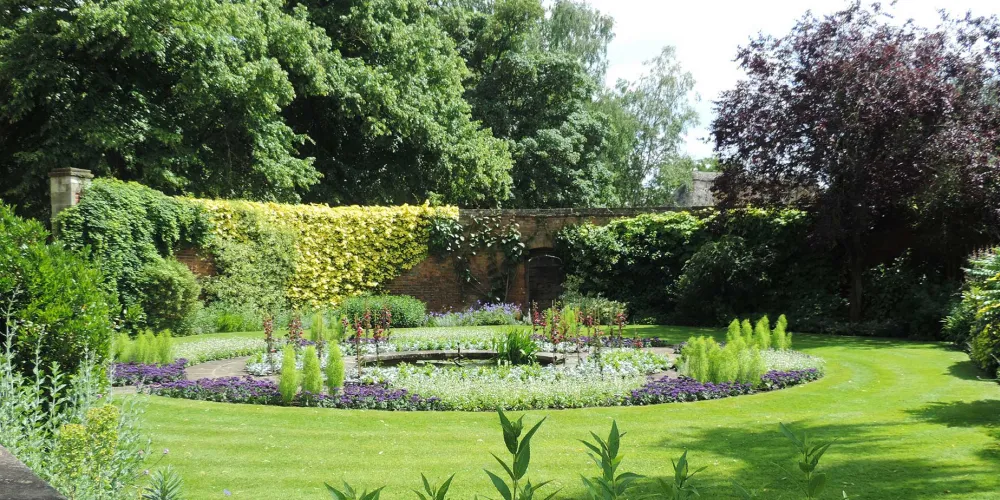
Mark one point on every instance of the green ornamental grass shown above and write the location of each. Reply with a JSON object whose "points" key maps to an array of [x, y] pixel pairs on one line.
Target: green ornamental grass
{"points": [[747, 331], [733, 332]]}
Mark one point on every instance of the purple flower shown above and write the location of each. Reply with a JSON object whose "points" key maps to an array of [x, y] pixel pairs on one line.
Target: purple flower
{"points": [[142, 373]]}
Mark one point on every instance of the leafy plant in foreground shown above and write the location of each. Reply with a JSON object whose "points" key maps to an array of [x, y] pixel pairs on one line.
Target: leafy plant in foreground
{"points": [[520, 454], [433, 491], [516, 347], [350, 494], [608, 486], [680, 488], [815, 482], [163, 485]]}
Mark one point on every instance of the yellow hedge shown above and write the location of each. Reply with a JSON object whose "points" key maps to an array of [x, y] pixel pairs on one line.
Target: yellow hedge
{"points": [[341, 251]]}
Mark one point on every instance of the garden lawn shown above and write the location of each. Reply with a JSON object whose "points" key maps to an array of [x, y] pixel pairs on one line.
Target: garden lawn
{"points": [[911, 421]]}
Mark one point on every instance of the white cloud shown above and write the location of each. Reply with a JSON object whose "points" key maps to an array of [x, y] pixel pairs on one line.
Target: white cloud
{"points": [[706, 34]]}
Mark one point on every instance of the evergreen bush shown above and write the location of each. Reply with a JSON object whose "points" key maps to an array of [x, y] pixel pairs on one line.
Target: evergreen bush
{"points": [[312, 376], [288, 379], [334, 368]]}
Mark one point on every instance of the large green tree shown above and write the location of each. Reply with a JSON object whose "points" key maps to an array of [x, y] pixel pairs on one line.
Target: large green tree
{"points": [[182, 95], [357, 101], [533, 79], [397, 129]]}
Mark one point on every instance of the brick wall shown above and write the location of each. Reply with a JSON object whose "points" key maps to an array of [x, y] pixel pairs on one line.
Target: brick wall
{"points": [[436, 282]]}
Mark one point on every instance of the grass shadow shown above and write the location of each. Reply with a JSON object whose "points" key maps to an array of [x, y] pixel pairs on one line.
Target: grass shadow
{"points": [[967, 370], [864, 461]]}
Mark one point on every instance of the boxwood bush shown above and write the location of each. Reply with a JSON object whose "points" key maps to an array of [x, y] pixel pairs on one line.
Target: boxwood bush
{"points": [[168, 293], [52, 298], [974, 322], [406, 311]]}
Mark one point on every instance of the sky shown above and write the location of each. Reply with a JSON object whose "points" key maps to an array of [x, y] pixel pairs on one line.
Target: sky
{"points": [[706, 34]]}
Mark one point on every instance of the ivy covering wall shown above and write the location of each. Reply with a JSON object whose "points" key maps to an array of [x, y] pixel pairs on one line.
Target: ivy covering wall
{"points": [[268, 256], [339, 251]]}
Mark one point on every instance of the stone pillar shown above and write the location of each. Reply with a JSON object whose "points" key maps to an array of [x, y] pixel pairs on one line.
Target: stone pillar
{"points": [[65, 187], [701, 189]]}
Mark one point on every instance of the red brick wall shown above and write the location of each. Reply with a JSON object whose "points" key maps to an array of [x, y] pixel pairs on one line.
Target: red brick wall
{"points": [[436, 281]]}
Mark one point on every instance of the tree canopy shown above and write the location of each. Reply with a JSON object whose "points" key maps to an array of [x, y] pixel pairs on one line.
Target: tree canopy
{"points": [[473, 102], [882, 128]]}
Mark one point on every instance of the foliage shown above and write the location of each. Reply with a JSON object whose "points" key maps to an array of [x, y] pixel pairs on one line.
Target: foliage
{"points": [[334, 368], [128, 228], [51, 299], [59, 424], [739, 361], [164, 484], [147, 348], [288, 380], [406, 311], [336, 88], [169, 294], [520, 458], [807, 127], [433, 491], [142, 373], [339, 251], [974, 322], [658, 103], [396, 102], [815, 482], [680, 488], [350, 494], [255, 259], [762, 333], [317, 328], [312, 378], [629, 260], [606, 454], [516, 347], [478, 314]]}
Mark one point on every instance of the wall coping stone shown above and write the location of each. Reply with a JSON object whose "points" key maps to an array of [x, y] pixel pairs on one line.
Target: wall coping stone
{"points": [[18, 482]]}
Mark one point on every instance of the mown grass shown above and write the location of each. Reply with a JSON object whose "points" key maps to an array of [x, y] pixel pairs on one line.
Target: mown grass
{"points": [[911, 419]]}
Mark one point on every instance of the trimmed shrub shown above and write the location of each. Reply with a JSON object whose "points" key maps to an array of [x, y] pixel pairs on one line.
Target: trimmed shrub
{"points": [[334, 368], [312, 376], [51, 297], [406, 311], [974, 322], [288, 379], [168, 293], [339, 251], [129, 226]]}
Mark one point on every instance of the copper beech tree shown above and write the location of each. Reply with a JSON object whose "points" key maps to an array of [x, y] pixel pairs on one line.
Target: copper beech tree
{"points": [[878, 126]]}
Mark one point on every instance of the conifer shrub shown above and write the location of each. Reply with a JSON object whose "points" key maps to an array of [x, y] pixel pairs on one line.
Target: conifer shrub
{"points": [[747, 331], [288, 380], [733, 332], [334, 368], [312, 377], [762, 333]]}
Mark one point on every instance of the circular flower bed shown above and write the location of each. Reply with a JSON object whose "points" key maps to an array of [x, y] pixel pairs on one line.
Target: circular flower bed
{"points": [[623, 372]]}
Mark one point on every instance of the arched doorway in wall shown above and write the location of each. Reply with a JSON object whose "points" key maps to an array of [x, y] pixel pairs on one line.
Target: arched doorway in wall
{"points": [[545, 277]]}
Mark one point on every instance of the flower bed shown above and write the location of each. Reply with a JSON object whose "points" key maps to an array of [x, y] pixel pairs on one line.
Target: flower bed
{"points": [[143, 373], [688, 389], [255, 391], [203, 351]]}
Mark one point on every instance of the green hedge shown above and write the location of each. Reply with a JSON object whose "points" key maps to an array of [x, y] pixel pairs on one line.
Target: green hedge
{"points": [[52, 298], [406, 311], [706, 267], [974, 322], [129, 226]]}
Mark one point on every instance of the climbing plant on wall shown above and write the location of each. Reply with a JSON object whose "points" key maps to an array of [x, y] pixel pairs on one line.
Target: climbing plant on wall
{"points": [[339, 251]]}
